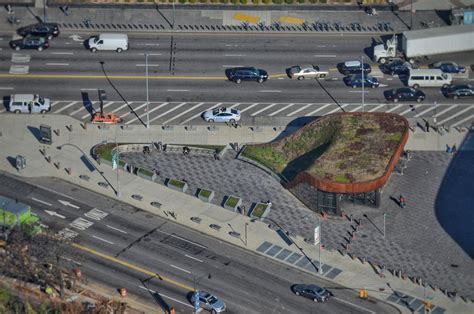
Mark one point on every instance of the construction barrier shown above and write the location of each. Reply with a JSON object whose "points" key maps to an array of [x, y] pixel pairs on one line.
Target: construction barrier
{"points": [[363, 294]]}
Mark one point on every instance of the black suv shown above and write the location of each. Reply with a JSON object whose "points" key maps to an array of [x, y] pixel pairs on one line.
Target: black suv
{"points": [[48, 30], [238, 75], [458, 91], [405, 94], [39, 43], [354, 67], [397, 67]]}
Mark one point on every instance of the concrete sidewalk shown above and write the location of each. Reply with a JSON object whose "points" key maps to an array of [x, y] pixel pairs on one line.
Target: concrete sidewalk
{"points": [[18, 138]]}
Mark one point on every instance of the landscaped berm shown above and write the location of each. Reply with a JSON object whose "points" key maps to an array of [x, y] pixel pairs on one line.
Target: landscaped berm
{"points": [[338, 153]]}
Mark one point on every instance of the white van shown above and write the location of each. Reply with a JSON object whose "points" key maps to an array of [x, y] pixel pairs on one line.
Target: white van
{"points": [[429, 78], [117, 42], [29, 103]]}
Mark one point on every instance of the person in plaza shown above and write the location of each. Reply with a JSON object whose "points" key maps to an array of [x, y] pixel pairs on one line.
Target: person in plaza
{"points": [[382, 271], [402, 201], [454, 149], [427, 126]]}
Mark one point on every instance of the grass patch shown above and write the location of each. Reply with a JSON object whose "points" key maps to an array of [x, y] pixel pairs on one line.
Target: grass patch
{"points": [[176, 183], [205, 193], [146, 172], [105, 151], [217, 148], [259, 209], [232, 201]]}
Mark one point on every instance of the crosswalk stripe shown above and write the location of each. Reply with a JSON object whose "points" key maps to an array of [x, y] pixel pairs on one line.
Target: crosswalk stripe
{"points": [[183, 113], [319, 109], [152, 110], [374, 109], [199, 114], [263, 109], [65, 107], [54, 103], [90, 104], [249, 107], [424, 111], [394, 108], [280, 110], [124, 105], [165, 113], [409, 109], [337, 109], [133, 112], [298, 110], [463, 120], [454, 115], [355, 109], [445, 110], [105, 106]]}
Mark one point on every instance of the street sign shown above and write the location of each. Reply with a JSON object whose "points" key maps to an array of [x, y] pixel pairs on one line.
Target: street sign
{"points": [[316, 235], [45, 134], [20, 162]]}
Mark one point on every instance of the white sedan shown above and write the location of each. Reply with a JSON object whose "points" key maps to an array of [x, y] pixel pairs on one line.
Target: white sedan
{"points": [[306, 71], [222, 114]]}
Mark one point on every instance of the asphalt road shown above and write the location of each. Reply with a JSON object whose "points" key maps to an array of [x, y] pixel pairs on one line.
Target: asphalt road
{"points": [[160, 262]]}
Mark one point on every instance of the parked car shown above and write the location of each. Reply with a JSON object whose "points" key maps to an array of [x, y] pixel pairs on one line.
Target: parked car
{"points": [[48, 30], [316, 293], [355, 67], [38, 43], [209, 302], [449, 67], [306, 71], [406, 94], [28, 103], [458, 91], [356, 81], [240, 74], [397, 67], [222, 114]]}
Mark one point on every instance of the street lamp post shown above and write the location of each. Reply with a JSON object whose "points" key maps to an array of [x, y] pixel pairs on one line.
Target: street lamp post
{"points": [[362, 68], [246, 225], [384, 215], [119, 193], [174, 15], [196, 292], [320, 268], [147, 95]]}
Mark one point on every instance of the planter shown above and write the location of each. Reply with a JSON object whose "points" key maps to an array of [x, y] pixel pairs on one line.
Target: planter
{"points": [[205, 195], [232, 202], [145, 174], [259, 210], [177, 185]]}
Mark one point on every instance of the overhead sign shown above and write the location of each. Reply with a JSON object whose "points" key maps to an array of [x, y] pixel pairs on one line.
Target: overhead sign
{"points": [[45, 134]]}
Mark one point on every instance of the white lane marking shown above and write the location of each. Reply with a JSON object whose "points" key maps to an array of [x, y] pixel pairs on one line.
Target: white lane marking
{"points": [[96, 214], [249, 107], [424, 111], [191, 257], [163, 295], [197, 244], [463, 120], [40, 201], [168, 111], [62, 53], [94, 89], [374, 109], [124, 105], [454, 115], [321, 46], [232, 66], [106, 241], [358, 91], [355, 305], [233, 55], [53, 191], [70, 260], [177, 90], [83, 107], [445, 110], [53, 213], [325, 56], [150, 54], [355, 109], [199, 114], [3, 88], [154, 109], [65, 107], [147, 44], [81, 223], [182, 269], [134, 110], [280, 110], [149, 64], [270, 91], [66, 203], [183, 113], [320, 108], [54, 103], [67, 233], [409, 109], [394, 108], [93, 110], [298, 110], [116, 229], [261, 110], [337, 109], [62, 64]]}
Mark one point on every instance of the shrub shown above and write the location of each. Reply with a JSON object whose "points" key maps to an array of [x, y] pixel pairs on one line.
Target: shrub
{"points": [[183, 1], [278, 1], [214, 1], [312, 1], [202, 1], [289, 1], [256, 1], [267, 1], [301, 1], [234, 1], [192, 1], [224, 1], [243, 1]]}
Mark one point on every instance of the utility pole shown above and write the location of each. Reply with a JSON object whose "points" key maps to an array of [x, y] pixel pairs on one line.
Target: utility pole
{"points": [[246, 225], [384, 215], [147, 95], [119, 194], [362, 68], [174, 15]]}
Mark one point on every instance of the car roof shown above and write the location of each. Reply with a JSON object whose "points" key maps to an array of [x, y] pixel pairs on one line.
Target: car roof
{"points": [[113, 36], [354, 63], [23, 97], [307, 66], [244, 68]]}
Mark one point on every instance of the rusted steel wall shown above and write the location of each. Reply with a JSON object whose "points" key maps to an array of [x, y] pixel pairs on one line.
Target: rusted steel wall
{"points": [[359, 187]]}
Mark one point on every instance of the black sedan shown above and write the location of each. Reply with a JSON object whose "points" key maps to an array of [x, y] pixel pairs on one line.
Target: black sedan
{"points": [[313, 292], [48, 30], [397, 67], [240, 74], [405, 94], [458, 91], [449, 67], [38, 43]]}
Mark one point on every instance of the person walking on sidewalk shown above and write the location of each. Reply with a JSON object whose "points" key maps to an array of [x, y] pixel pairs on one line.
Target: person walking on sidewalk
{"points": [[427, 126], [382, 271], [402, 201]]}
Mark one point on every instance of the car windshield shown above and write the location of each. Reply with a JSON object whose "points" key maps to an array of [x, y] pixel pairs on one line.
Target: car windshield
{"points": [[95, 38], [212, 299], [41, 100], [215, 111], [234, 111], [444, 76], [320, 290], [295, 69]]}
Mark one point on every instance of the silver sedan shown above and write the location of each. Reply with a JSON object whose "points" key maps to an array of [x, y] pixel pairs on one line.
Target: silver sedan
{"points": [[306, 71], [222, 114]]}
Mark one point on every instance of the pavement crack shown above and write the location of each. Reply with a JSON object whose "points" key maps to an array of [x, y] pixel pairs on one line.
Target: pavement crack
{"points": [[137, 240]]}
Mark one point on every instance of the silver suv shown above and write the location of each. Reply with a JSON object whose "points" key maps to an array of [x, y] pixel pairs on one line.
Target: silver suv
{"points": [[208, 302], [29, 103]]}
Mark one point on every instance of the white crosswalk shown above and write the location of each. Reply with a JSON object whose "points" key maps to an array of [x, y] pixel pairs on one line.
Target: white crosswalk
{"points": [[181, 113]]}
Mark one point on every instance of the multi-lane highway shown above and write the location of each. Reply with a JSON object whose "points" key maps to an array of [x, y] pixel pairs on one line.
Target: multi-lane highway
{"points": [[121, 246], [187, 76]]}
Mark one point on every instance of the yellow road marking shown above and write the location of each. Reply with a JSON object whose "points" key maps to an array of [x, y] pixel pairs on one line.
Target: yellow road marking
{"points": [[291, 20], [246, 18], [126, 77], [131, 266]]}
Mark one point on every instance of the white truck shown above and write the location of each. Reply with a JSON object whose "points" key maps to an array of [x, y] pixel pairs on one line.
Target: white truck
{"points": [[426, 42]]}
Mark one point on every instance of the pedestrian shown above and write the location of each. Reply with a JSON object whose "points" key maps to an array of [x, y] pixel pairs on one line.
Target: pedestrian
{"points": [[427, 126], [402, 201], [382, 271], [454, 149], [98, 159], [185, 150]]}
